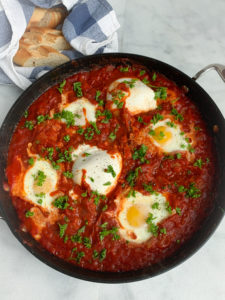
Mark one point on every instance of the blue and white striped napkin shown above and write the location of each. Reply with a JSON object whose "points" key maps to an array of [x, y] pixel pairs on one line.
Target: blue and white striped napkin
{"points": [[90, 28]]}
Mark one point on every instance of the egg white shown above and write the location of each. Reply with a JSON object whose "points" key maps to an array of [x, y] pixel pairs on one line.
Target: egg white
{"points": [[83, 111], [176, 140], [139, 233], [95, 163], [49, 185], [140, 98]]}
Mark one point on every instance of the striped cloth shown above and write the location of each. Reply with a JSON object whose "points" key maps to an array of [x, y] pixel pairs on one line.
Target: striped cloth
{"points": [[90, 28]]}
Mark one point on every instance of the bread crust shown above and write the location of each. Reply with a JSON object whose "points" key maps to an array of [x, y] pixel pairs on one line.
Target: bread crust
{"points": [[44, 37], [39, 56], [50, 18]]}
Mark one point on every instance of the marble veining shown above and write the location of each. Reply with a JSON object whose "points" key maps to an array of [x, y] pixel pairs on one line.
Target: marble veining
{"points": [[188, 35]]}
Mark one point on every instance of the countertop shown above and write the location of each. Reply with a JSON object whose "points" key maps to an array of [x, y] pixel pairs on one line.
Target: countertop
{"points": [[188, 35]]}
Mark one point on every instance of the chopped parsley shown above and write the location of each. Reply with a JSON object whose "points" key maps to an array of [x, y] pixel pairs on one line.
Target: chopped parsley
{"points": [[79, 256], [107, 183], [130, 83], [193, 191], [80, 130], [29, 214], [50, 151], [175, 113], [152, 227], [113, 231], [29, 125], [97, 197], [181, 189], [66, 138], [26, 114], [124, 69], [142, 72], [111, 170], [155, 205], [132, 193], [102, 254], [199, 163], [178, 210], [87, 242], [168, 207], [154, 77], [94, 125], [77, 238], [31, 161], [162, 230], [62, 229], [100, 102], [104, 207], [69, 117], [41, 119], [88, 135], [132, 176], [151, 132], [112, 136], [41, 195], [140, 153], [40, 178], [161, 93], [68, 174], [148, 188], [156, 118], [145, 81], [95, 254], [117, 97], [61, 86], [77, 88], [86, 154], [178, 155], [61, 202], [140, 120], [171, 124]]}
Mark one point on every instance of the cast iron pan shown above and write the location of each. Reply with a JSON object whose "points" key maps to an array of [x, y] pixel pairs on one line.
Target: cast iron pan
{"points": [[211, 115]]}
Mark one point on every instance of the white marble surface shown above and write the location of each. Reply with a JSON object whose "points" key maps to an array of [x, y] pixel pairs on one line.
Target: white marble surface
{"points": [[188, 35]]}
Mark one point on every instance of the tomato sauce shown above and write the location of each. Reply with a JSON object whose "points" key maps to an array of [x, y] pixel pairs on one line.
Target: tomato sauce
{"points": [[165, 172]]}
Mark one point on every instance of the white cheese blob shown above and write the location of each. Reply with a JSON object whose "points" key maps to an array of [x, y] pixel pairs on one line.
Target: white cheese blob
{"points": [[133, 212], [140, 98], [83, 111], [40, 181], [101, 169]]}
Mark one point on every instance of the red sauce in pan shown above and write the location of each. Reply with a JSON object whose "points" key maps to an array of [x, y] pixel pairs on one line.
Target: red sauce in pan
{"points": [[164, 172]]}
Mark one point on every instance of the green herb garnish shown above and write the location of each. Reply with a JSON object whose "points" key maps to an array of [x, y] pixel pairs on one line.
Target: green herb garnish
{"points": [[62, 229], [77, 88], [29, 214], [61, 86], [61, 202]]}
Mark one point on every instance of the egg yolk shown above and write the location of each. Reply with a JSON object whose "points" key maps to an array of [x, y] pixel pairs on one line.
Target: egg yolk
{"points": [[161, 135], [135, 217], [45, 187]]}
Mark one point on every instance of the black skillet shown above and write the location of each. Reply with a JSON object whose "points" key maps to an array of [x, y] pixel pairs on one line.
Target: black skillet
{"points": [[210, 113]]}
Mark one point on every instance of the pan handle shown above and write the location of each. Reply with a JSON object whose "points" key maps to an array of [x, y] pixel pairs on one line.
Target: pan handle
{"points": [[220, 69]]}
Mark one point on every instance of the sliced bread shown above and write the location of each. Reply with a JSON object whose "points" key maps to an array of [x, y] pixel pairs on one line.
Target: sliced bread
{"points": [[39, 56]]}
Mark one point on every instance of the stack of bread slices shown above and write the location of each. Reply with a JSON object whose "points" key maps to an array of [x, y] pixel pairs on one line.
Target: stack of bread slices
{"points": [[41, 44]]}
